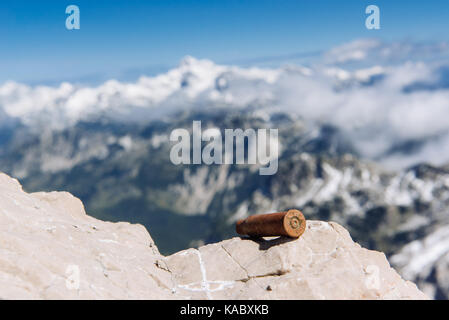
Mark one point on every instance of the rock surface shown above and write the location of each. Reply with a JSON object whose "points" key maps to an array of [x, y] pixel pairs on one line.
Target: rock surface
{"points": [[51, 249]]}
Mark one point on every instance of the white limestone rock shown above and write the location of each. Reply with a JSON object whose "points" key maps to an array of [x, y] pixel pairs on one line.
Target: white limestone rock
{"points": [[324, 263], [51, 249], [47, 243]]}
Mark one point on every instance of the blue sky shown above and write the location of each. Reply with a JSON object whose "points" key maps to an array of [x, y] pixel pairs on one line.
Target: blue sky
{"points": [[123, 39]]}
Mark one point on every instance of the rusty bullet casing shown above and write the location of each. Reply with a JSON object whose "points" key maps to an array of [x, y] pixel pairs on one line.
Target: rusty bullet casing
{"points": [[290, 223]]}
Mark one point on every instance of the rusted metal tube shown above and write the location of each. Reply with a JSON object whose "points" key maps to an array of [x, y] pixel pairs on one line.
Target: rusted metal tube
{"points": [[290, 223]]}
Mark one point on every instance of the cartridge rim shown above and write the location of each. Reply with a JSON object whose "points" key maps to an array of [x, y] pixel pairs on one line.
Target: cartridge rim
{"points": [[294, 223]]}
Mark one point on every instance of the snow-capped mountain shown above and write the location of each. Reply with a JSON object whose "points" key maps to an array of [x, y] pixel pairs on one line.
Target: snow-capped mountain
{"points": [[363, 135], [393, 110], [123, 173]]}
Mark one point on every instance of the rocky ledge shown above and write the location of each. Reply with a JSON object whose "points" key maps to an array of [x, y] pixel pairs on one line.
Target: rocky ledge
{"points": [[51, 249]]}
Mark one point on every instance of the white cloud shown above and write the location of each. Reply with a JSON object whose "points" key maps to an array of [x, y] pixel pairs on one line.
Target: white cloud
{"points": [[368, 103], [352, 51]]}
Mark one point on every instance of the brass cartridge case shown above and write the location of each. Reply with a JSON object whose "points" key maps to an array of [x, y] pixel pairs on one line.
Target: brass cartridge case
{"points": [[290, 223]]}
